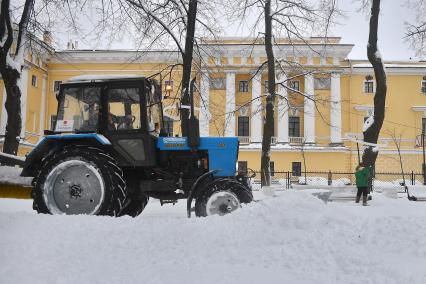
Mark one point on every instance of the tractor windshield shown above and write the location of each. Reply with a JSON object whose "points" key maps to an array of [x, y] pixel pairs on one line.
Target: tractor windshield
{"points": [[78, 109], [154, 110]]}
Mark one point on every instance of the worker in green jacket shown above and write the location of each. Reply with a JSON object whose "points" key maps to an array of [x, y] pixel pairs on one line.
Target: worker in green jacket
{"points": [[362, 175]]}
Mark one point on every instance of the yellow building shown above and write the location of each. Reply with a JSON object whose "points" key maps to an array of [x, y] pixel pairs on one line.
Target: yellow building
{"points": [[323, 108]]}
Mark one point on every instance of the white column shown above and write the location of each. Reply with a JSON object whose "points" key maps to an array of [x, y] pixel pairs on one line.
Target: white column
{"points": [[43, 105], [230, 104], [230, 59], [336, 60], [309, 110], [282, 110], [256, 109], [204, 115], [335, 110], [23, 85]]}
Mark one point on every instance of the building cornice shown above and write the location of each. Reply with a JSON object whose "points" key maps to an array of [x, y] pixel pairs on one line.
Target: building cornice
{"points": [[115, 56]]}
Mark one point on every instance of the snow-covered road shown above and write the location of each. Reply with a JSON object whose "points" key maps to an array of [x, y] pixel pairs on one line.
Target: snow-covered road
{"points": [[292, 238]]}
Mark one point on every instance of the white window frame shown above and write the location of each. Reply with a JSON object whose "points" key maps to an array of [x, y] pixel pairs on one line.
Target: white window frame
{"points": [[423, 88], [247, 83], [374, 86], [35, 82], [293, 81]]}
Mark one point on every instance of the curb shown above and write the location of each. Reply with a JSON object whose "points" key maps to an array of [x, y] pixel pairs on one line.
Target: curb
{"points": [[15, 191]]}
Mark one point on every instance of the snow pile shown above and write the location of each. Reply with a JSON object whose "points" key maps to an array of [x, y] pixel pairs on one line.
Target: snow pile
{"points": [[11, 175], [321, 181], [316, 181], [292, 238]]}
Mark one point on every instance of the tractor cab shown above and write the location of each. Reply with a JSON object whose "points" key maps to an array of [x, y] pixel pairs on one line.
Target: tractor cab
{"points": [[126, 110]]}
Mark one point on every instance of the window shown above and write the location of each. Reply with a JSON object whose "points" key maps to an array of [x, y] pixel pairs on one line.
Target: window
{"points": [[217, 83], [423, 125], [369, 84], [424, 86], [123, 109], [243, 86], [272, 168], [34, 80], [294, 126], [296, 168], [242, 167], [168, 86], [243, 126], [295, 85], [78, 109], [266, 88], [168, 126], [56, 85]]}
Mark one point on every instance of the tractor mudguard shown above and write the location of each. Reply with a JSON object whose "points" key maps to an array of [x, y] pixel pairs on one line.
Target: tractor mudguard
{"points": [[195, 190], [53, 143]]}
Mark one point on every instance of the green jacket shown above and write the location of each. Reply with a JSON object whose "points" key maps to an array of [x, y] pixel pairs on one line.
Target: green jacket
{"points": [[362, 176]]}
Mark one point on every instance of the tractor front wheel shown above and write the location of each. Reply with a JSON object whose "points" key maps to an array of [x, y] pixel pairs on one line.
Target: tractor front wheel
{"points": [[79, 180], [221, 197]]}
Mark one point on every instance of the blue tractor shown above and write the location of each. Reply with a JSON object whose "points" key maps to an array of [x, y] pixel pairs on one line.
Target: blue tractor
{"points": [[108, 153]]}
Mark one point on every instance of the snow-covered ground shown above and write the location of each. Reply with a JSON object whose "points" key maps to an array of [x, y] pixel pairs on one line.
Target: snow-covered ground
{"points": [[291, 238], [11, 175]]}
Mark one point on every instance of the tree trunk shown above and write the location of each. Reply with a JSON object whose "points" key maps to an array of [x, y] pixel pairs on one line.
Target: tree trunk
{"points": [[371, 135], [13, 108], [187, 64], [268, 127]]}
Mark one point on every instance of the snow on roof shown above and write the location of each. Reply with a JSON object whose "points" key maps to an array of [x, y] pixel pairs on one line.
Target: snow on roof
{"points": [[388, 65], [90, 77]]}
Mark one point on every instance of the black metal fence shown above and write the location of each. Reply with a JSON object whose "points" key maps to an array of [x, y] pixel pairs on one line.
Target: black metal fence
{"points": [[287, 178]]}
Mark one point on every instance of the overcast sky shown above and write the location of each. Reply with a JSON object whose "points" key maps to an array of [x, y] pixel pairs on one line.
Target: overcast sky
{"points": [[353, 29]]}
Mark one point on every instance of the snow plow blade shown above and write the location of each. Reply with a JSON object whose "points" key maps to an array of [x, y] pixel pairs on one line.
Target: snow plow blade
{"points": [[11, 160]]}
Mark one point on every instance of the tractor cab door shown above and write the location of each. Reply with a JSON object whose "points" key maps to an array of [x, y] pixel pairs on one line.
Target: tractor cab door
{"points": [[125, 123]]}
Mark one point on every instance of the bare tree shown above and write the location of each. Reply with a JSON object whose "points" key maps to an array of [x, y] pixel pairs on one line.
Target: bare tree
{"points": [[371, 133], [293, 20], [12, 51], [416, 28], [397, 139], [180, 24]]}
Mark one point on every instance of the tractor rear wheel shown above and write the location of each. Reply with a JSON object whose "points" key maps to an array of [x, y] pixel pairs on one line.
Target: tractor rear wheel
{"points": [[221, 197], [134, 206], [79, 180]]}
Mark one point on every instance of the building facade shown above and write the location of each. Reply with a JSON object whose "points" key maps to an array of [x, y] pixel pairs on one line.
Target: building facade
{"points": [[322, 104]]}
